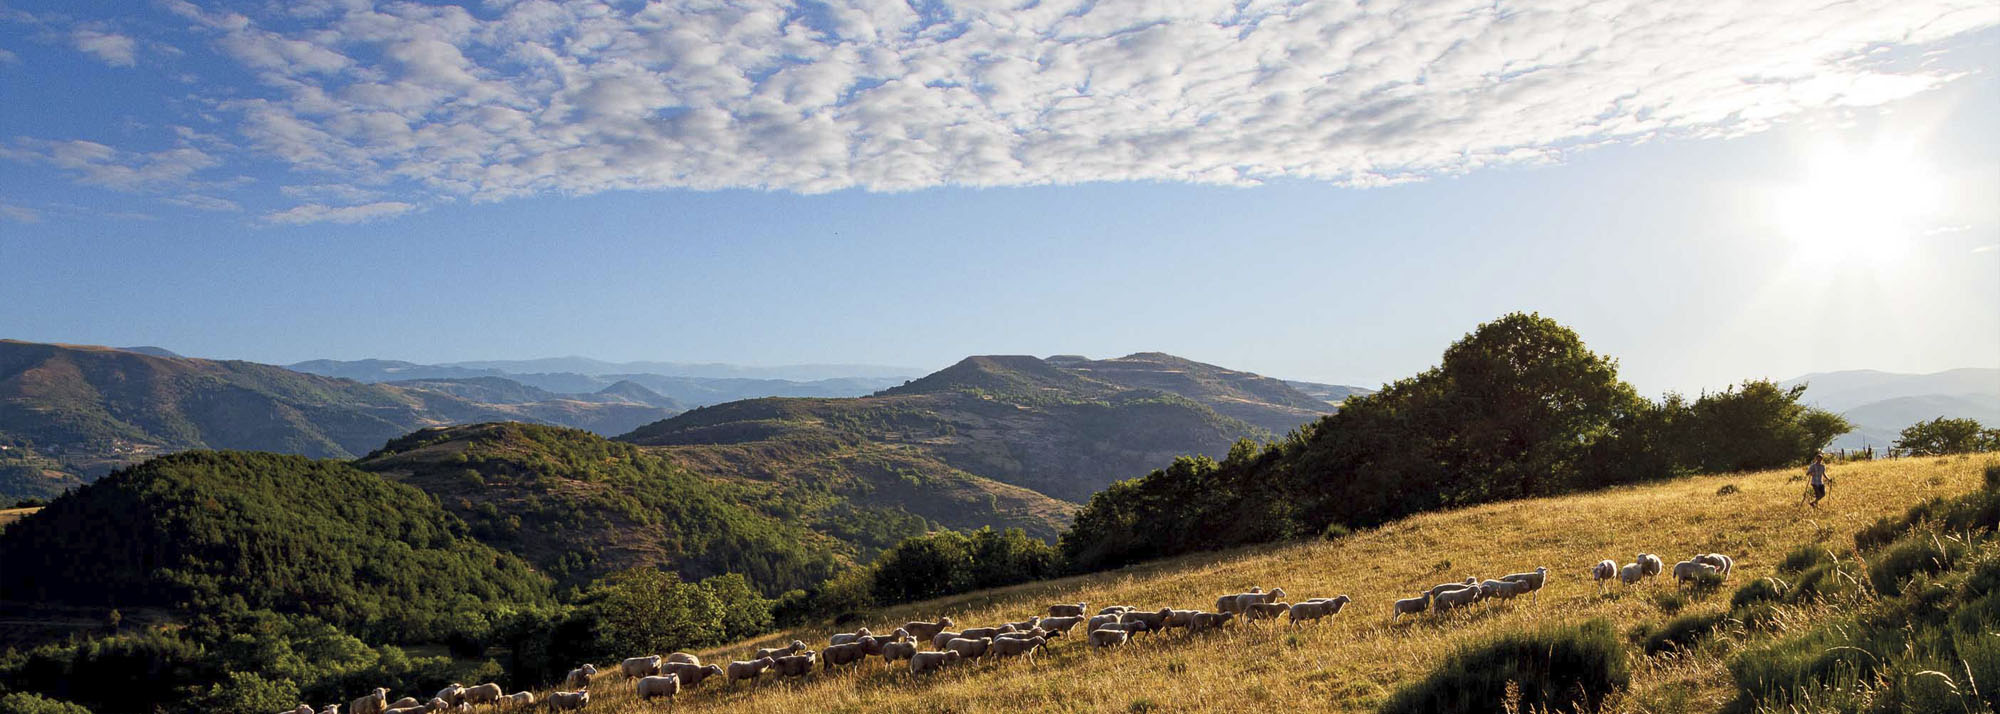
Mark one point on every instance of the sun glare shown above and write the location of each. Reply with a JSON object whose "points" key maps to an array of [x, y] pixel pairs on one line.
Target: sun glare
{"points": [[1857, 205]]}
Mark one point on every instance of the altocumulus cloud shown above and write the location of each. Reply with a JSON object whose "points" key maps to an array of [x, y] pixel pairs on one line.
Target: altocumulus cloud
{"points": [[522, 97]]}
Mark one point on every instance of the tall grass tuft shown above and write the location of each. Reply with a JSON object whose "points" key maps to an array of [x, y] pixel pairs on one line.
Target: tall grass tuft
{"points": [[1556, 668]]}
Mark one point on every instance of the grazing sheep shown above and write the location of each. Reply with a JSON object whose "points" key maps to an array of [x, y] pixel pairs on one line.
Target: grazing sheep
{"points": [[970, 648], [938, 640], [1503, 589], [1154, 620], [403, 703], [790, 649], [1316, 609], [1068, 610], [900, 649], [748, 669], [1602, 571], [1412, 605], [640, 666], [797, 665], [1721, 563], [1116, 609], [924, 631], [1209, 621], [660, 686], [487, 693], [1650, 564], [922, 662], [437, 704], [578, 678], [418, 709], [846, 637], [1099, 621], [1632, 573], [1061, 625], [690, 674], [1014, 647], [1265, 611], [518, 699], [1181, 618], [1460, 585], [1108, 638], [1453, 599], [569, 700], [1025, 625], [684, 658], [1687, 571], [1132, 627], [1244, 601], [1227, 603], [1025, 634], [302, 709], [977, 632], [841, 654], [374, 703], [1535, 580]]}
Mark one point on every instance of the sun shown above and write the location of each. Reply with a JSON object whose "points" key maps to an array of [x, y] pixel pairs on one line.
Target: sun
{"points": [[1857, 205]]}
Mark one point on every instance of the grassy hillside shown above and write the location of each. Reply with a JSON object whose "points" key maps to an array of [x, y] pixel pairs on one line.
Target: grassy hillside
{"points": [[1355, 661]]}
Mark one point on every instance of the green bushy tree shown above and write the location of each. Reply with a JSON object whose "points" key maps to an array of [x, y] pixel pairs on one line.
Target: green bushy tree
{"points": [[1947, 436]]}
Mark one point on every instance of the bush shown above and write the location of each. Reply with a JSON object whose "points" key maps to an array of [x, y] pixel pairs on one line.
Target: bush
{"points": [[1728, 489], [1560, 668], [26, 703], [1681, 632], [1918, 553], [1805, 557], [1336, 531], [1759, 590]]}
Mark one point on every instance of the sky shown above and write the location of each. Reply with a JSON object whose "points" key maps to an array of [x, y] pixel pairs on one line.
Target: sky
{"points": [[1333, 191]]}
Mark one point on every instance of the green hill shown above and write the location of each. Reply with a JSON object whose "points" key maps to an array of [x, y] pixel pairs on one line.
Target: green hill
{"points": [[210, 531], [578, 506], [69, 413], [1005, 441]]}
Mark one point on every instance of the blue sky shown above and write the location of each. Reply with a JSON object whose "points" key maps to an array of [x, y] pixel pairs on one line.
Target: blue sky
{"points": [[1707, 192]]}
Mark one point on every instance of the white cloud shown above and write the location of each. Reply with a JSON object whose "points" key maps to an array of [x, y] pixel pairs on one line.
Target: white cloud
{"points": [[204, 203], [7, 57], [21, 214], [322, 213], [534, 96], [101, 165], [109, 47]]}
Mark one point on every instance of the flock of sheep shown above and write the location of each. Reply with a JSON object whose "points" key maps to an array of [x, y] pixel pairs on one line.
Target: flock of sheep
{"points": [[655, 676]]}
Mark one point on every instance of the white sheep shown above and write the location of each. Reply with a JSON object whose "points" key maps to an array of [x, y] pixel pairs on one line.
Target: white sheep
{"points": [[1412, 606], [846, 637], [437, 704], [938, 640], [569, 700], [1632, 573], [1535, 580], [797, 665], [848, 653], [1108, 638], [1061, 624], [1075, 610], [518, 699], [580, 677], [1503, 589], [1315, 609], [1454, 599], [1688, 571], [487, 693], [1016, 646], [922, 662], [375, 703], [970, 648], [1154, 620], [1209, 621], [1099, 621], [1602, 571], [659, 686], [900, 649], [684, 658], [640, 666], [453, 694], [975, 632], [1116, 609], [303, 709], [1721, 563], [749, 669], [417, 709], [690, 674], [1025, 625], [404, 703], [790, 649], [1181, 618], [1650, 564], [1460, 585], [924, 631], [1266, 611]]}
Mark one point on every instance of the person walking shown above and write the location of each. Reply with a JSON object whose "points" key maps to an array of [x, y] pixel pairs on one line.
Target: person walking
{"points": [[1817, 471]]}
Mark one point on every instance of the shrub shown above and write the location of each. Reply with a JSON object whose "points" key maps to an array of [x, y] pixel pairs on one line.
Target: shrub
{"points": [[1681, 632], [1805, 558], [1558, 668], [1821, 582], [1336, 531], [1727, 490], [1759, 590], [26, 703], [1918, 553]]}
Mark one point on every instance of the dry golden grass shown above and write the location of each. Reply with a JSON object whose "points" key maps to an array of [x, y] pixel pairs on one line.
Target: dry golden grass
{"points": [[9, 515], [1356, 659]]}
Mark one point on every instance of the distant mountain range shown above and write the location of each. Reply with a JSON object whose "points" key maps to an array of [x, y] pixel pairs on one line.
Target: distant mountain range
{"points": [[72, 412], [1882, 404], [686, 390]]}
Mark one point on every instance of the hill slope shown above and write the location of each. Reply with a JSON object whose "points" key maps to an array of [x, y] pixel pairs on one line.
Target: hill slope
{"points": [[1357, 659], [1054, 430], [81, 411]]}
